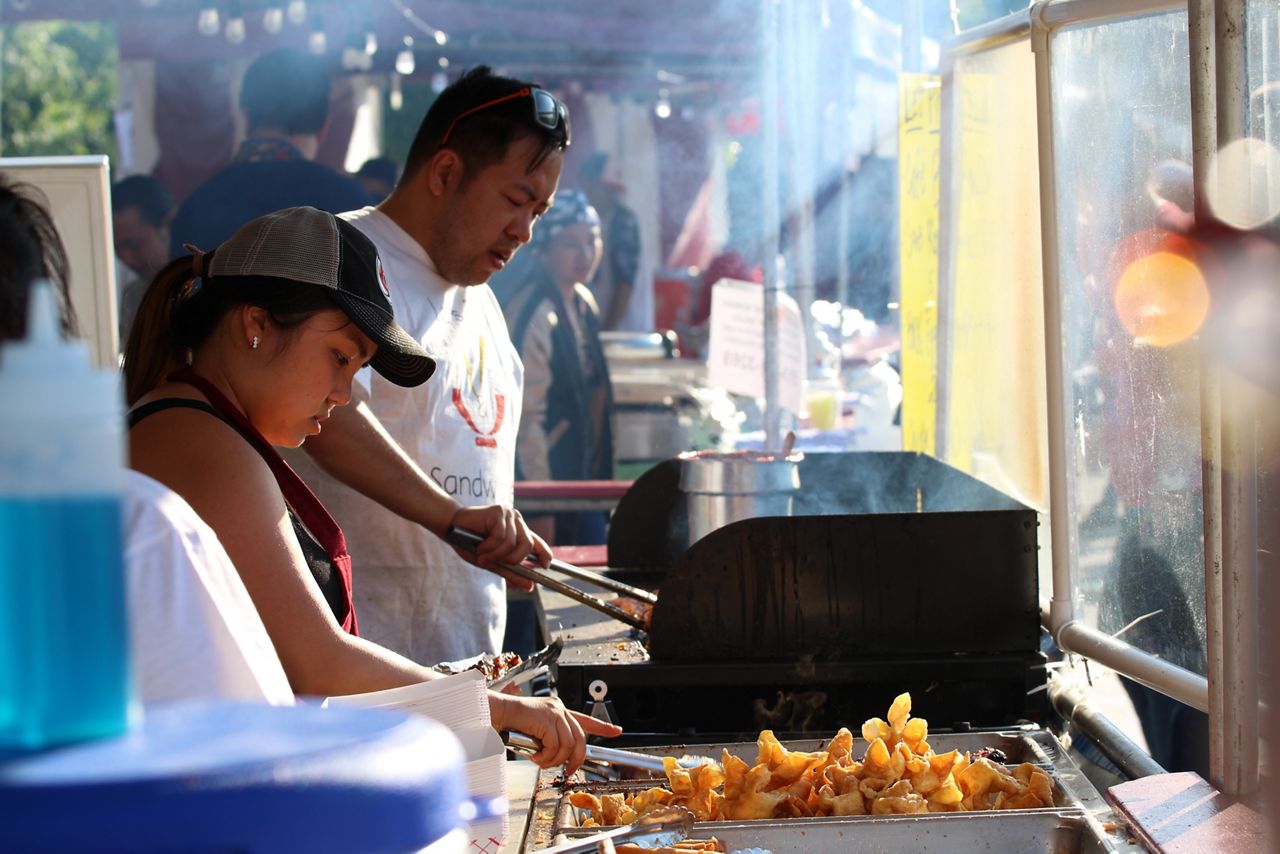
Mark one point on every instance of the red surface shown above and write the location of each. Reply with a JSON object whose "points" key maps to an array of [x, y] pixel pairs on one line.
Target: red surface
{"points": [[572, 488], [670, 303], [582, 555], [1182, 813]]}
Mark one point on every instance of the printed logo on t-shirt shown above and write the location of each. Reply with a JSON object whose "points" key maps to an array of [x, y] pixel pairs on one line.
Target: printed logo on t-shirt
{"points": [[483, 416]]}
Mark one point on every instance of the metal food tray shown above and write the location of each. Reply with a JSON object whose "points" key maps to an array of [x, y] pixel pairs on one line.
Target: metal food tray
{"points": [[1080, 821]]}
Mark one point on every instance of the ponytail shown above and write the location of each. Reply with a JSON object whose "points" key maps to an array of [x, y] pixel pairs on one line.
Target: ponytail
{"points": [[180, 311], [155, 348]]}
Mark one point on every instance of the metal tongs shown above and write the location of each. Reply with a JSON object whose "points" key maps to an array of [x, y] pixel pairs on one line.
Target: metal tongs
{"points": [[524, 746], [546, 656], [469, 541], [664, 826]]}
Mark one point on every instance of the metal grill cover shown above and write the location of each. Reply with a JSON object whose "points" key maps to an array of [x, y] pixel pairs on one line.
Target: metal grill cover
{"points": [[853, 586], [921, 578]]}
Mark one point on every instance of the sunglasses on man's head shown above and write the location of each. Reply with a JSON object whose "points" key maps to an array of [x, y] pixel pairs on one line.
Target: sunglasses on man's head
{"points": [[548, 111]]}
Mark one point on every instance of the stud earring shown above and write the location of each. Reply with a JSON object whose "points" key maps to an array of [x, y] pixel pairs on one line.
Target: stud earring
{"points": [[254, 343]]}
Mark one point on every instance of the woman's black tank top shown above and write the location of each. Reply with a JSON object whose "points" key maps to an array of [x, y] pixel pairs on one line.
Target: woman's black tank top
{"points": [[318, 561]]}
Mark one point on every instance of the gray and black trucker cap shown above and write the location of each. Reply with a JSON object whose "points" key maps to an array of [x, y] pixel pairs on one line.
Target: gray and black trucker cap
{"points": [[316, 248]]}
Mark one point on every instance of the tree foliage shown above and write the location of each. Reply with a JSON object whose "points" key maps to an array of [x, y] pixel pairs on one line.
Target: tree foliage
{"points": [[58, 89]]}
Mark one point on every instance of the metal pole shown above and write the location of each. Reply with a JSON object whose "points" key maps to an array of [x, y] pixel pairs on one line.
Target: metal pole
{"points": [[769, 221], [802, 96], [843, 223], [1182, 685], [1073, 704], [1203, 146], [1239, 469], [1062, 533]]}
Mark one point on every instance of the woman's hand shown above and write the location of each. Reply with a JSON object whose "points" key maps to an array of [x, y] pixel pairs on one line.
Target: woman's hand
{"points": [[562, 733], [507, 539]]}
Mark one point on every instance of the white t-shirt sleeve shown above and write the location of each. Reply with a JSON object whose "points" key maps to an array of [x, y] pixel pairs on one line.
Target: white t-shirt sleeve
{"points": [[194, 630]]}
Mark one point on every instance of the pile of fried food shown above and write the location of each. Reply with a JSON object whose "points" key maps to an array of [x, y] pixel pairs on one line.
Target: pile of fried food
{"points": [[899, 773]]}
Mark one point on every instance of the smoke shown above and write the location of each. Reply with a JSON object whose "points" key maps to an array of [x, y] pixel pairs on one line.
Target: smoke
{"points": [[890, 482]]}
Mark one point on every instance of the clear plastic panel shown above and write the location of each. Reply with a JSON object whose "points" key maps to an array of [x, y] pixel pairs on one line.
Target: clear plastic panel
{"points": [[992, 394], [1262, 28], [1122, 129], [1262, 35]]}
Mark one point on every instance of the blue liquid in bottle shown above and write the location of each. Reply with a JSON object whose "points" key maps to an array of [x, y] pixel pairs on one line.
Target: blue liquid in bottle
{"points": [[64, 668], [64, 651]]}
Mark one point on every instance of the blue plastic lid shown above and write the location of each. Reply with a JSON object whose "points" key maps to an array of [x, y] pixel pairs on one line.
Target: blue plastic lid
{"points": [[212, 777]]}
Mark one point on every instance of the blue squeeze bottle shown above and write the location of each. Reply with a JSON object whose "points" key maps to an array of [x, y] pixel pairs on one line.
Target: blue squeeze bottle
{"points": [[64, 649]]}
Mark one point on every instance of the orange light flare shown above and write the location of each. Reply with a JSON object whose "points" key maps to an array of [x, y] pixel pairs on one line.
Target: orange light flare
{"points": [[1160, 286], [1162, 298]]}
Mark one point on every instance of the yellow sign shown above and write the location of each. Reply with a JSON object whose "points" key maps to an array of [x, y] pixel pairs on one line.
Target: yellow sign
{"points": [[994, 394], [919, 133]]}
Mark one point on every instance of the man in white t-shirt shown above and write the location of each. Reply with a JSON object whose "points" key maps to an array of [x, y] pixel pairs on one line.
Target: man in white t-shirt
{"points": [[483, 167]]}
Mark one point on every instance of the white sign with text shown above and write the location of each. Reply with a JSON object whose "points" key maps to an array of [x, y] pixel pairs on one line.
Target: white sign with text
{"points": [[735, 358]]}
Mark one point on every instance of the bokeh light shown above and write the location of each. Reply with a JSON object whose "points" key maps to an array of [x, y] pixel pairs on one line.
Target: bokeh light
{"points": [[1243, 183], [1162, 299]]}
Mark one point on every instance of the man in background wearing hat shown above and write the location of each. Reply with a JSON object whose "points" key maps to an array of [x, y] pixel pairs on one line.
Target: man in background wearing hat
{"points": [[482, 168]]}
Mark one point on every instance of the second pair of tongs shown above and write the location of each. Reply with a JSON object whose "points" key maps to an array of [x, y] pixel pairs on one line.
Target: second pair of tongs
{"points": [[470, 541], [523, 745]]}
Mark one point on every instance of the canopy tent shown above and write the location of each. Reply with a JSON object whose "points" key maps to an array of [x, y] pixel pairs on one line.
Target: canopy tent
{"points": [[696, 63], [620, 44]]}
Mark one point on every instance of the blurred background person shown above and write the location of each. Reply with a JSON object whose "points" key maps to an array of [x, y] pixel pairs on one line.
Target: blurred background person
{"points": [[615, 282], [566, 430], [142, 211], [285, 99], [378, 175], [30, 249]]}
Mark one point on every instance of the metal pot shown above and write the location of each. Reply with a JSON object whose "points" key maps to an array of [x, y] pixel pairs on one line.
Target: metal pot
{"points": [[722, 488]]}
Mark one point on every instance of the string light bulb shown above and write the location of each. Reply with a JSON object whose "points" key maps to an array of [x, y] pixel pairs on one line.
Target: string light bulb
{"points": [[207, 21], [235, 23], [397, 94], [662, 107], [297, 11], [370, 42], [273, 20], [317, 42], [442, 38], [353, 56], [405, 64], [439, 82]]}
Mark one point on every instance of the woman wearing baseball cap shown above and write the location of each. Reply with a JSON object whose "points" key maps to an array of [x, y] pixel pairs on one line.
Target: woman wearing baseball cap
{"points": [[249, 347]]}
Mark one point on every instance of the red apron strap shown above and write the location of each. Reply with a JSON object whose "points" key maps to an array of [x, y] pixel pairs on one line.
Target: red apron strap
{"points": [[296, 493]]}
